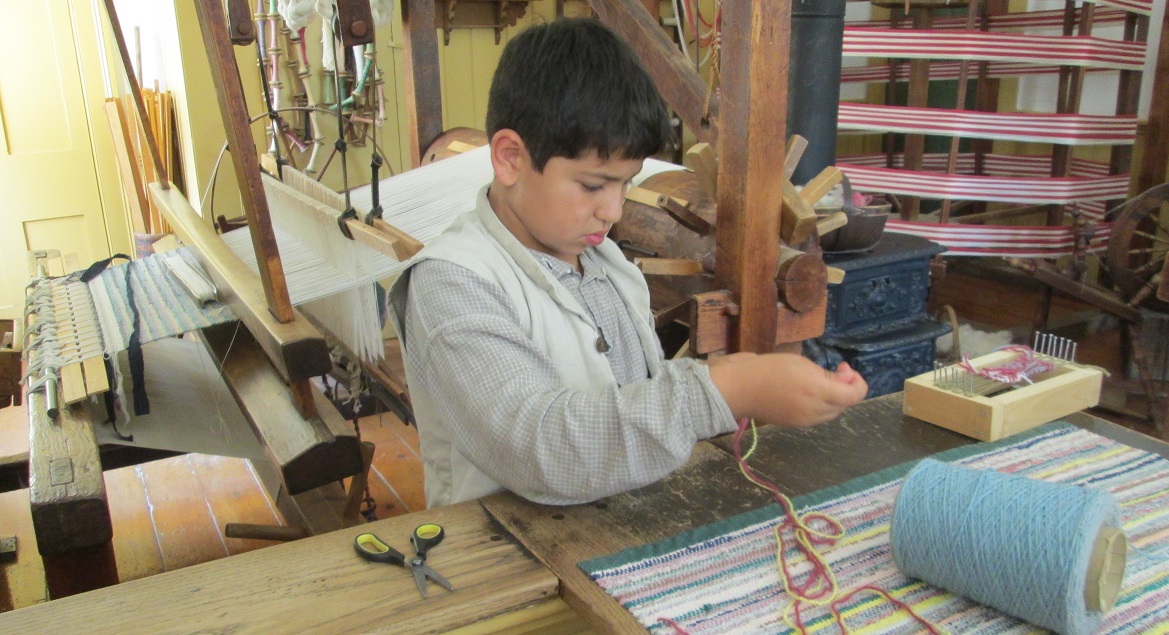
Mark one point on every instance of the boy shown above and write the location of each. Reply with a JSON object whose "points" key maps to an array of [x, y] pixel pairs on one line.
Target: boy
{"points": [[529, 345]]}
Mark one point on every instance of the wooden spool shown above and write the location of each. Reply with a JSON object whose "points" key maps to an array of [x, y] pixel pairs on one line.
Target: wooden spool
{"points": [[801, 278]]}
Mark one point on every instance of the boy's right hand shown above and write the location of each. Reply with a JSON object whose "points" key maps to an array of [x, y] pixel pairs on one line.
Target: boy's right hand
{"points": [[785, 389]]}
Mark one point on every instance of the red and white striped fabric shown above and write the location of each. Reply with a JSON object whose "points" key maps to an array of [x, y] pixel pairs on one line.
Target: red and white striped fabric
{"points": [[992, 164], [1078, 50], [1041, 190], [1143, 7], [947, 70], [1066, 129], [1005, 165], [1001, 240], [1003, 22]]}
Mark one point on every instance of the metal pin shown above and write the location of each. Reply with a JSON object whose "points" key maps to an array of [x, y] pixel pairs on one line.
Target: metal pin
{"points": [[1073, 358], [1035, 341]]}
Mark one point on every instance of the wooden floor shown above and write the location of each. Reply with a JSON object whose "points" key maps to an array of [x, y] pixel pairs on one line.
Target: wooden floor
{"points": [[170, 513]]}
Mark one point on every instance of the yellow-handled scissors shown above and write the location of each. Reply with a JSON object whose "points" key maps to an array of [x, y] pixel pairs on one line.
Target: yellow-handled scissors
{"points": [[424, 538]]}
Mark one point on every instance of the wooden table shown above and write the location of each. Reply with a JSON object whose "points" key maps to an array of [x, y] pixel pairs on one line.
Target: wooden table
{"points": [[502, 553], [867, 438]]}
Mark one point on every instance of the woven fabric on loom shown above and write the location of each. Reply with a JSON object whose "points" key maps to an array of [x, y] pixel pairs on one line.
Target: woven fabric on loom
{"points": [[165, 309], [722, 578]]}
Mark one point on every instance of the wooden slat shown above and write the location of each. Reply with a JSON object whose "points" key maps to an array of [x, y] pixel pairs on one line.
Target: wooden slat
{"points": [[184, 526], [296, 349], [309, 452], [682, 88], [753, 129], [233, 109], [135, 546], [127, 171], [318, 585], [135, 90], [234, 495]]}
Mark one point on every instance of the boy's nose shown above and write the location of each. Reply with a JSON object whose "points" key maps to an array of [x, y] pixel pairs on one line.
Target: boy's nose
{"points": [[611, 208]]}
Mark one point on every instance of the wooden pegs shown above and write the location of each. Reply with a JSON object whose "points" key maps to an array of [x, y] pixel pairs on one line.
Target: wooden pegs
{"points": [[795, 151], [799, 219], [677, 208], [680, 211], [668, 266], [831, 222], [645, 197], [95, 375], [701, 159], [821, 184]]}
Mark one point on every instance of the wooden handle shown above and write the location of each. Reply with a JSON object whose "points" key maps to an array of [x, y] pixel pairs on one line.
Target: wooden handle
{"points": [[795, 151]]}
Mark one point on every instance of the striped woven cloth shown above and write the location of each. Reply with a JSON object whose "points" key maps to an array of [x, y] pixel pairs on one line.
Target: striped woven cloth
{"points": [[165, 309], [722, 578]]}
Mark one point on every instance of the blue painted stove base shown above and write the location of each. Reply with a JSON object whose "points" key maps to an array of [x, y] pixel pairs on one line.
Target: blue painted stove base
{"points": [[876, 318]]}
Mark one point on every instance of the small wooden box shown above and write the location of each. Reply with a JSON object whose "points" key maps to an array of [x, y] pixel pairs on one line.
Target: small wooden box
{"points": [[1056, 393]]}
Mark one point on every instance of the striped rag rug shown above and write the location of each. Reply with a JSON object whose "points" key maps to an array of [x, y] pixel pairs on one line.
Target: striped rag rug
{"points": [[722, 578]]}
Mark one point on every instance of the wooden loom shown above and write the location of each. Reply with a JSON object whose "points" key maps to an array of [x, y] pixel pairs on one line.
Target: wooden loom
{"points": [[954, 398]]}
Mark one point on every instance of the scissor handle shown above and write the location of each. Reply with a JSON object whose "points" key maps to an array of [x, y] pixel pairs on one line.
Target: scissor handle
{"points": [[372, 548], [426, 537]]}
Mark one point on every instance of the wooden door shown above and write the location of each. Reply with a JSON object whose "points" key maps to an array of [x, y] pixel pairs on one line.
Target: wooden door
{"points": [[49, 189]]}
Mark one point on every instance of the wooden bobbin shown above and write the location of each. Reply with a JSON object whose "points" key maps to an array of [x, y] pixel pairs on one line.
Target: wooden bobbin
{"points": [[1105, 569]]}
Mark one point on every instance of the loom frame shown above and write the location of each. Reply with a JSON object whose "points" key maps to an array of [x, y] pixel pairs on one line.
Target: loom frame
{"points": [[1056, 393]]}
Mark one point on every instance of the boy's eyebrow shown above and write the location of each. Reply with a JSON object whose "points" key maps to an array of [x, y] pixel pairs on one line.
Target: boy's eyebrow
{"points": [[608, 177]]}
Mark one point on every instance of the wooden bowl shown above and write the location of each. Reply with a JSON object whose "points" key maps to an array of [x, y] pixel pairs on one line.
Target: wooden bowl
{"points": [[863, 231]]}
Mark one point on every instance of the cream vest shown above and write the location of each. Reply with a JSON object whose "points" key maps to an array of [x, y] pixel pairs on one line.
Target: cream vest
{"points": [[550, 317]]}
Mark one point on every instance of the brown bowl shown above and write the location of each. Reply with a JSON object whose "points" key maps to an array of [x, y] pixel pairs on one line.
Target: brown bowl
{"points": [[863, 231]]}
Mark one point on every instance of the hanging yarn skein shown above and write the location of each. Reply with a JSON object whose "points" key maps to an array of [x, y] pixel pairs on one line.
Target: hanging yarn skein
{"points": [[1048, 553]]}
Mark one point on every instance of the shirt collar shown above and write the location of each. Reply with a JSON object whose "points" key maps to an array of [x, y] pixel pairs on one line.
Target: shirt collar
{"points": [[590, 267]]}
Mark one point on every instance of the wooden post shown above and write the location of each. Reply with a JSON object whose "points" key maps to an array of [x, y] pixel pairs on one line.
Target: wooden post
{"points": [[233, 108], [753, 128], [423, 84], [1155, 155], [1155, 152]]}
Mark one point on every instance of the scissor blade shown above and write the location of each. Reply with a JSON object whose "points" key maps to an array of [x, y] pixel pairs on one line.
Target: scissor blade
{"points": [[433, 575], [420, 580]]}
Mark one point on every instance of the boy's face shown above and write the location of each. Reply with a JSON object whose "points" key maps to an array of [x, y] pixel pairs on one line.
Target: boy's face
{"points": [[565, 209]]}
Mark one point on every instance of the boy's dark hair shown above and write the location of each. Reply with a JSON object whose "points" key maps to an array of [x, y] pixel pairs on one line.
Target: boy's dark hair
{"points": [[571, 86]]}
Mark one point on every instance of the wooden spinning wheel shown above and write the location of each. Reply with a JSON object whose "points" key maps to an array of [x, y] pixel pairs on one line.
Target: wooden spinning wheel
{"points": [[1137, 247]]}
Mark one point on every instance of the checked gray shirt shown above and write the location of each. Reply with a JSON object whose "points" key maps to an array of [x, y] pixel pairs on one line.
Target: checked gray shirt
{"points": [[489, 381]]}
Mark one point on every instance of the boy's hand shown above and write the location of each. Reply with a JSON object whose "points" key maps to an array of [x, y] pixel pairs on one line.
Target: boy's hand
{"points": [[785, 389]]}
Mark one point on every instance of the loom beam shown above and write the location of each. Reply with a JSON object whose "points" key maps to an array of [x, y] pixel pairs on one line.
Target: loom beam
{"points": [[674, 75], [323, 450], [296, 349]]}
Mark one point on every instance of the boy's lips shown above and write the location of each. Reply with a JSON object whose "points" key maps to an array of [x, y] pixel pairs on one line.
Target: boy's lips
{"points": [[596, 239]]}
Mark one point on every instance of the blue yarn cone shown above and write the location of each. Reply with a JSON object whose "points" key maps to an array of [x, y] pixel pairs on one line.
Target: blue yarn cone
{"points": [[1016, 544]]}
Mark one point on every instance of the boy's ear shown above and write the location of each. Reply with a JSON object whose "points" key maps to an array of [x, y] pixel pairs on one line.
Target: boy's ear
{"points": [[509, 156]]}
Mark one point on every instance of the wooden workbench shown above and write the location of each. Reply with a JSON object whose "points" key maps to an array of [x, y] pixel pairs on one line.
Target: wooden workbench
{"points": [[502, 553]]}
